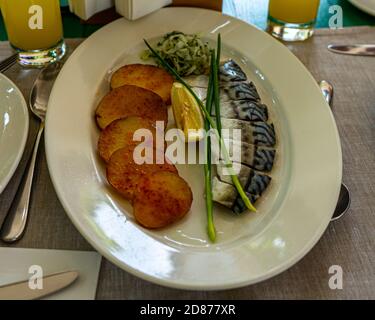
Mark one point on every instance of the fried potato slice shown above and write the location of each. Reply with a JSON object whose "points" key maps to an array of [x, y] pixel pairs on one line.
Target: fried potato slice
{"points": [[145, 76], [120, 133], [161, 199], [127, 101], [123, 173]]}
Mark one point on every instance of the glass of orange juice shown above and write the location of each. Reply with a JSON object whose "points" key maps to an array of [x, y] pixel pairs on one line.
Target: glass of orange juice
{"points": [[292, 20], [34, 30]]}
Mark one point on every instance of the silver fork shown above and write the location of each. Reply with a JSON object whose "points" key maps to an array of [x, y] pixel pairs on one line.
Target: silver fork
{"points": [[7, 63], [15, 221]]}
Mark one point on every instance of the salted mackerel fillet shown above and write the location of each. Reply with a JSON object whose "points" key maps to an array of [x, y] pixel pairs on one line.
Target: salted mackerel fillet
{"points": [[229, 71], [257, 157], [254, 182], [227, 195], [232, 91], [240, 108], [257, 133], [252, 111]]}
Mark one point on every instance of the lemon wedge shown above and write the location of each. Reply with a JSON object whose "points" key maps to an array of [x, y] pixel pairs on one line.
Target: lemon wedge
{"points": [[187, 113]]}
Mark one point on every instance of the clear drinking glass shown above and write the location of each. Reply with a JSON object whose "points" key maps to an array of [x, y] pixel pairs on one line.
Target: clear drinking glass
{"points": [[34, 30], [292, 20]]}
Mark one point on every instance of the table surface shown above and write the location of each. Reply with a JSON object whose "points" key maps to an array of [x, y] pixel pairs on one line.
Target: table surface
{"points": [[252, 11], [348, 243]]}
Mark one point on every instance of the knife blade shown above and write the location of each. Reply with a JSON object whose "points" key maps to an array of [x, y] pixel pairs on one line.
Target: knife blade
{"points": [[356, 50], [51, 284]]}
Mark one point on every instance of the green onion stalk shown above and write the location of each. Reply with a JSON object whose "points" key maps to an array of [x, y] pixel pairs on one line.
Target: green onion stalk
{"points": [[216, 89], [207, 166]]}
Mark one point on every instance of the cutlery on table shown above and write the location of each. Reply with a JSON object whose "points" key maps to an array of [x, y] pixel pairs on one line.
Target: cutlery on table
{"points": [[50, 284], [355, 50], [343, 202], [15, 221], [7, 63]]}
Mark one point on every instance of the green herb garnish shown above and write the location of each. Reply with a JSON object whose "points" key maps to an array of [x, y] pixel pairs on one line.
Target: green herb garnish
{"points": [[186, 53]]}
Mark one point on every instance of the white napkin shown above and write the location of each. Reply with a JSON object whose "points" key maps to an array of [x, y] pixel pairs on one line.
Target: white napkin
{"points": [[85, 9], [134, 9], [15, 264]]}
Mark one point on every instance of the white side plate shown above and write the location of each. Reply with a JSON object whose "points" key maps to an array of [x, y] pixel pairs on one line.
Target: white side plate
{"points": [[14, 126]]}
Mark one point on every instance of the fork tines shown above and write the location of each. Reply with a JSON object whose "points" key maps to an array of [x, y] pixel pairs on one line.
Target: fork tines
{"points": [[7, 63]]}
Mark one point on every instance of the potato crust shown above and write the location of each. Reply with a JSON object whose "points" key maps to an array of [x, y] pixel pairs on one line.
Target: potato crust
{"points": [[123, 173], [127, 101], [145, 76], [161, 199]]}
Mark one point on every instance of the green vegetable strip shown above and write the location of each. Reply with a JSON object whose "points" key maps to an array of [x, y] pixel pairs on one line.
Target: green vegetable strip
{"points": [[216, 91], [227, 160], [218, 50], [207, 167], [216, 62]]}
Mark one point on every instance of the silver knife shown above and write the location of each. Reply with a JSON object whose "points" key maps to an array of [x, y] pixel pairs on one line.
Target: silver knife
{"points": [[355, 50], [51, 284]]}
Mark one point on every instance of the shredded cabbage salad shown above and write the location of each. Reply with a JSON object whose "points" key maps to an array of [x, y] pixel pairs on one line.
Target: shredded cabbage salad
{"points": [[188, 54]]}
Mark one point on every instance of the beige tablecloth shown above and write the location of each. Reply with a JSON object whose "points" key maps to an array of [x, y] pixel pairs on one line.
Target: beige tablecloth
{"points": [[349, 242]]}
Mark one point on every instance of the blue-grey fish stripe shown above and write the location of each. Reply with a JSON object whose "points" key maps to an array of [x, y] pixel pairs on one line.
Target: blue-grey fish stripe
{"points": [[254, 188], [239, 206], [264, 159], [230, 71], [250, 110], [264, 134], [242, 91], [257, 183], [246, 110]]}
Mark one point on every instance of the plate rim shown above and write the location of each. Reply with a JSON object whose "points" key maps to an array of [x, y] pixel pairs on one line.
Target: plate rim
{"points": [[23, 141], [175, 284], [363, 7]]}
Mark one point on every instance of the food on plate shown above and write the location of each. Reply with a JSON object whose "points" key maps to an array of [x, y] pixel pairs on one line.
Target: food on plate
{"points": [[186, 113], [212, 95], [161, 199], [254, 184], [245, 175], [145, 76], [256, 133], [123, 173], [120, 133], [137, 100], [244, 110], [230, 71], [236, 91], [228, 83], [186, 53], [227, 195], [241, 108], [257, 157], [130, 100]]}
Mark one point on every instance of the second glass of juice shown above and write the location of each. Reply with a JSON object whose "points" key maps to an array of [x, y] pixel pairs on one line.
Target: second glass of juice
{"points": [[34, 30], [292, 20]]}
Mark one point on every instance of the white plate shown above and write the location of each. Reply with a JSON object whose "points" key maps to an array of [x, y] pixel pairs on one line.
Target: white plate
{"points": [[14, 126], [291, 217], [367, 6]]}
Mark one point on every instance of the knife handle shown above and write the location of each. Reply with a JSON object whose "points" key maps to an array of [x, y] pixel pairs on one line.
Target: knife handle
{"points": [[327, 91], [15, 221]]}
